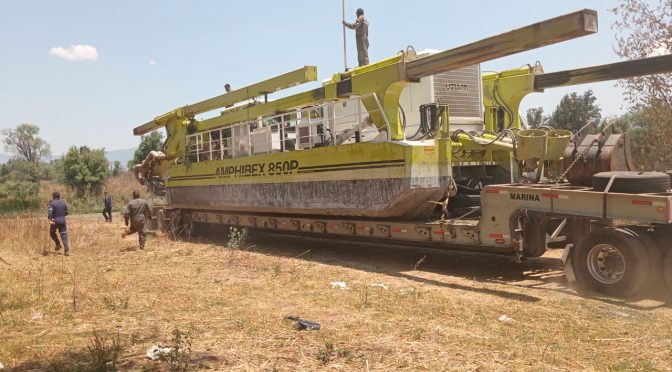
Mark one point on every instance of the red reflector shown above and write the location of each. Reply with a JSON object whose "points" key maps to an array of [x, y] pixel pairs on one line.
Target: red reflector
{"points": [[500, 241], [396, 229], [642, 202], [550, 195], [496, 235], [438, 232], [492, 191]]}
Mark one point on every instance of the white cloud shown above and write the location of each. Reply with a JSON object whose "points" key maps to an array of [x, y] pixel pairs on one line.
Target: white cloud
{"points": [[75, 53], [151, 62]]}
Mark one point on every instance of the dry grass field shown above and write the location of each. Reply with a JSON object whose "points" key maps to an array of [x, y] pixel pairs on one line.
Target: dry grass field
{"points": [[106, 304]]}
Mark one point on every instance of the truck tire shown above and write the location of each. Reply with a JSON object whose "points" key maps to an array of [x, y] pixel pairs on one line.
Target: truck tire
{"points": [[655, 256], [667, 269], [611, 261], [632, 182]]}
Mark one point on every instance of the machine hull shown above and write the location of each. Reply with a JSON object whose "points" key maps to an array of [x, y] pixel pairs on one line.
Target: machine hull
{"points": [[377, 180]]}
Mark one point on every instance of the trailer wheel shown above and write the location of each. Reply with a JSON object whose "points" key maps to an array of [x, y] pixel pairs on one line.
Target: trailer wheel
{"points": [[632, 182], [161, 221], [612, 262], [667, 269]]}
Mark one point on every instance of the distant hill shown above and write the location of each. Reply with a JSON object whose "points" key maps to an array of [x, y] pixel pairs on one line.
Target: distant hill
{"points": [[122, 155]]}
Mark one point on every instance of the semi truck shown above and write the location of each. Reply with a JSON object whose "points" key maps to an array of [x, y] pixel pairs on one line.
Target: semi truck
{"points": [[423, 149]]}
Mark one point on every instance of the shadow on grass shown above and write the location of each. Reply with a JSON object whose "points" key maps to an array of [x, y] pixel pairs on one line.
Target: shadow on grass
{"points": [[542, 273], [112, 358]]}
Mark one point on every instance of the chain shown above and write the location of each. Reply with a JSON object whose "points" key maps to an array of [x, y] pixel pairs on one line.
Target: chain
{"points": [[451, 190], [579, 157]]}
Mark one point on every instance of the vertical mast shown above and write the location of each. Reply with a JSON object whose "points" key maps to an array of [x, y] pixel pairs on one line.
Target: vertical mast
{"points": [[345, 54]]}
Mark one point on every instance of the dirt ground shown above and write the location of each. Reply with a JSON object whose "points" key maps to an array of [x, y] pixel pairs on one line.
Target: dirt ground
{"points": [[401, 309]]}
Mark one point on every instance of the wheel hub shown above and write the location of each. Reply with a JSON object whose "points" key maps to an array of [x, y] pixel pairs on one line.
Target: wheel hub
{"points": [[606, 263]]}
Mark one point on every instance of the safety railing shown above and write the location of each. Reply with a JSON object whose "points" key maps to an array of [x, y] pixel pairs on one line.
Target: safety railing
{"points": [[329, 124]]}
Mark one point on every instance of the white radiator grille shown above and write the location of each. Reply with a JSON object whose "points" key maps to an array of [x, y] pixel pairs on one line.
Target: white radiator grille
{"points": [[461, 90]]}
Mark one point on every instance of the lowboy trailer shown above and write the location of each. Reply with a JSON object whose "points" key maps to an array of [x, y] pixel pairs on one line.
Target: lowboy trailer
{"points": [[344, 161]]}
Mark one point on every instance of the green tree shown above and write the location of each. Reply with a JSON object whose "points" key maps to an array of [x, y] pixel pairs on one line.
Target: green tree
{"points": [[83, 168], [575, 111], [116, 169], [19, 185], [148, 143], [535, 117], [24, 143]]}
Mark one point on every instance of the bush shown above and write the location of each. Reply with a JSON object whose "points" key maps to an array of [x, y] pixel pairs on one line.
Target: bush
{"points": [[83, 169]]}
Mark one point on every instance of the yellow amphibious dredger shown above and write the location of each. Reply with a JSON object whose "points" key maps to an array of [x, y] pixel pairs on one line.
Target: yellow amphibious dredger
{"points": [[340, 149], [422, 149]]}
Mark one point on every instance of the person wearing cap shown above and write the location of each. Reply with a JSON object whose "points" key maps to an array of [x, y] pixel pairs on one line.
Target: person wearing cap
{"points": [[361, 27], [56, 212]]}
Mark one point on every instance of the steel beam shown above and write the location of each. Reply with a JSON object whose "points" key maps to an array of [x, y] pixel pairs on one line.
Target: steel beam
{"points": [[613, 71], [288, 80], [555, 30]]}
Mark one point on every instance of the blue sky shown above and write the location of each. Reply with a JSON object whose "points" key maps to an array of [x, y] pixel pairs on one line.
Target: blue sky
{"points": [[153, 56]]}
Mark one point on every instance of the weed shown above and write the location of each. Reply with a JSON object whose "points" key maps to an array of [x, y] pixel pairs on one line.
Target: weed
{"points": [[363, 302], [329, 352], [277, 269], [104, 352], [627, 365], [237, 237], [114, 305], [325, 355], [180, 351]]}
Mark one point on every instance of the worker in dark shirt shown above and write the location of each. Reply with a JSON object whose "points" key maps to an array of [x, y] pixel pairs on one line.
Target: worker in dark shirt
{"points": [[56, 213], [107, 208], [137, 212], [361, 27]]}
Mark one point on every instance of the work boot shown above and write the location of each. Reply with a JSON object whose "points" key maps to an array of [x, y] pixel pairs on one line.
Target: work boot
{"points": [[124, 233], [66, 254], [57, 248]]}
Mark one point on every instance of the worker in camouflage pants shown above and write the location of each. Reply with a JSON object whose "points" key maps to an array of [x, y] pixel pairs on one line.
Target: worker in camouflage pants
{"points": [[361, 27], [137, 212]]}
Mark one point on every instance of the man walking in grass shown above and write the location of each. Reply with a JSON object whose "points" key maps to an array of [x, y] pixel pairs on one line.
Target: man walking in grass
{"points": [[107, 208], [56, 213], [137, 212]]}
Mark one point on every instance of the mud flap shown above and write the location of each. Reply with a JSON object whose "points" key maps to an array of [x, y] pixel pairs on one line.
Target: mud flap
{"points": [[567, 262]]}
